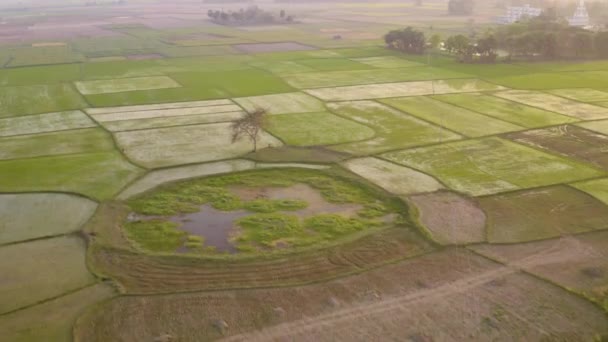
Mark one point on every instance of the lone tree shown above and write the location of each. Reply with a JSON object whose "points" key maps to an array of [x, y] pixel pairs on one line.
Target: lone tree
{"points": [[249, 126]]}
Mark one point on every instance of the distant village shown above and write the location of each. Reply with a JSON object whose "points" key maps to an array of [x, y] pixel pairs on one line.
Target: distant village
{"points": [[580, 17]]}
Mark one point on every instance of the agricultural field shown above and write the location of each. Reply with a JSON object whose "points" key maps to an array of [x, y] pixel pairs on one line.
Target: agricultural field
{"points": [[380, 195], [455, 119], [478, 167], [393, 129]]}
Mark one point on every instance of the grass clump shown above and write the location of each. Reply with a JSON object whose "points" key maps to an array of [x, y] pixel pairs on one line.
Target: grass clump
{"points": [[271, 206], [156, 235]]}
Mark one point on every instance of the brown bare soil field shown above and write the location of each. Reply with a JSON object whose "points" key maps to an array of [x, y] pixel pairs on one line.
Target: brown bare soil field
{"points": [[110, 255], [272, 47], [545, 213], [450, 218], [575, 262], [570, 141], [449, 295]]}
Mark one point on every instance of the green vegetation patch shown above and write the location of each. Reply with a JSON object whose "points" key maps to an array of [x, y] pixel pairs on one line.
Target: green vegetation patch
{"points": [[56, 143], [32, 124], [197, 85], [457, 119], [43, 269], [282, 103], [51, 74], [492, 165], [19, 100], [387, 62], [125, 84], [505, 110], [153, 148], [53, 320], [30, 216], [97, 175], [270, 226], [282, 67], [42, 55], [332, 64], [356, 77], [394, 129], [570, 141], [542, 214], [555, 103], [582, 94], [597, 188], [600, 126], [313, 129]]}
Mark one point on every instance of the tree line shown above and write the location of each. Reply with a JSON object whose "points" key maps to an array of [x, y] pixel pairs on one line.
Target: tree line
{"points": [[546, 37], [249, 16]]}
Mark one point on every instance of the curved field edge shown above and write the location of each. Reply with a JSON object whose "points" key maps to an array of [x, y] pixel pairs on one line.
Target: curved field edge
{"points": [[441, 285]]}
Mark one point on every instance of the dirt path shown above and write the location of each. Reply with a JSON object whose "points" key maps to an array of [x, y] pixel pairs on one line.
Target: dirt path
{"points": [[388, 307]]}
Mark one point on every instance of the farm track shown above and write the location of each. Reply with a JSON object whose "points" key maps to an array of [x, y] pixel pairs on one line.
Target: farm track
{"points": [[551, 254], [142, 274]]}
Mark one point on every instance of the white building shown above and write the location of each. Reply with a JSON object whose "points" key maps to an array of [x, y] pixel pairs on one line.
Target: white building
{"points": [[515, 13], [580, 17]]}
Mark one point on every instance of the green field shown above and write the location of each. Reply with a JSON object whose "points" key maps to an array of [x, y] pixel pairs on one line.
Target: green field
{"points": [[356, 77], [394, 129], [55, 214], [508, 111], [313, 129], [46, 144], [32, 124], [478, 167], [97, 175], [15, 101], [46, 269], [456, 119]]}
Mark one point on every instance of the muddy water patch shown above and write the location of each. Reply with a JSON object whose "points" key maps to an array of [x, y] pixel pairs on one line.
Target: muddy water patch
{"points": [[303, 192], [215, 226]]}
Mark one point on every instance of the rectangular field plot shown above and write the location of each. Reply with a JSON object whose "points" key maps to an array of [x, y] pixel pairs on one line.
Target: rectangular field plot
{"points": [[46, 144], [457, 119], [55, 214], [119, 85], [272, 47], [357, 77], [171, 121], [396, 179], [570, 141], [492, 165], [332, 64], [314, 129], [282, 67], [387, 62], [97, 175], [282, 103], [597, 188], [52, 320], [556, 104], [505, 110], [32, 124], [34, 99], [387, 90], [542, 214], [165, 113], [123, 109], [394, 129], [45, 269], [581, 94], [161, 147]]}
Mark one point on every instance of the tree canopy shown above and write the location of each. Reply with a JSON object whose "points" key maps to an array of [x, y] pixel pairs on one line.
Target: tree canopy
{"points": [[407, 40]]}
